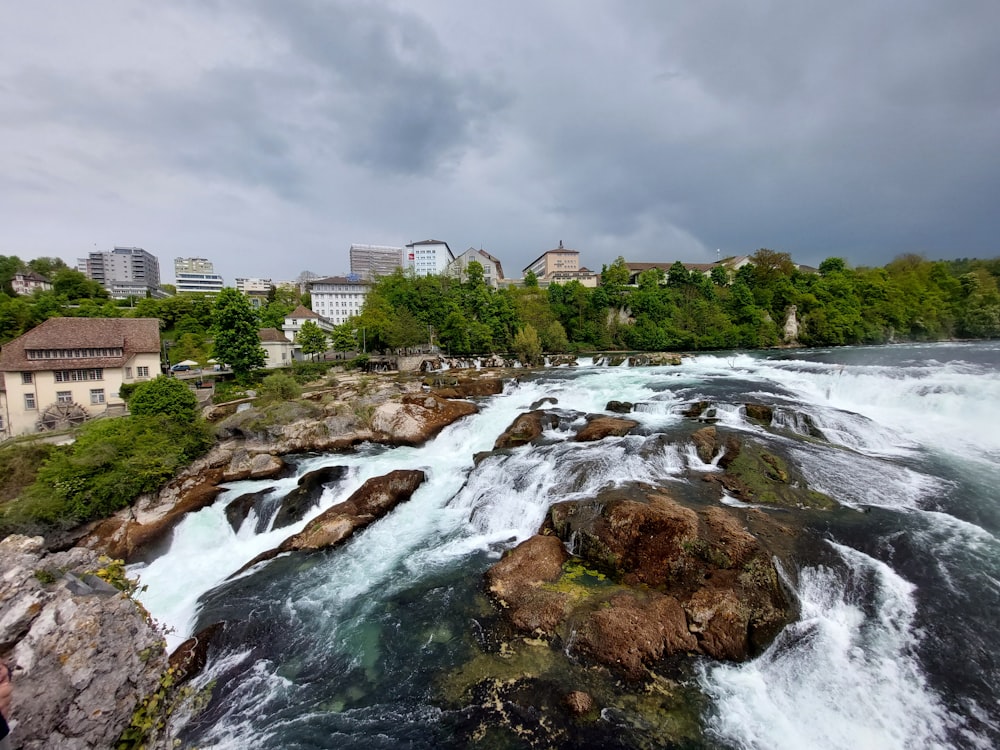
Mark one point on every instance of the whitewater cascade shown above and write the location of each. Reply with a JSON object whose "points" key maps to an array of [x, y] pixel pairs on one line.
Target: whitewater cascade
{"points": [[892, 647]]}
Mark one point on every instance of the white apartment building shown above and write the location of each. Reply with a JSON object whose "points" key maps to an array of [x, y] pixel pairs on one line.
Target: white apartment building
{"points": [[197, 275], [429, 257], [337, 298]]}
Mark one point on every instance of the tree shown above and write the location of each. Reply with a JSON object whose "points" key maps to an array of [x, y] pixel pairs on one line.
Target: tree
{"points": [[530, 280], [164, 395], [527, 345], [344, 338], [237, 341], [311, 338]]}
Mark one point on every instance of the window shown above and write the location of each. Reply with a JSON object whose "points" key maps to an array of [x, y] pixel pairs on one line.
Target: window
{"points": [[128, 373], [29, 401], [64, 397], [143, 372], [26, 378], [97, 395]]}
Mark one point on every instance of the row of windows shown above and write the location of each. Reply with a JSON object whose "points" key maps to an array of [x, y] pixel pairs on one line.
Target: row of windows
{"points": [[74, 353], [64, 397], [76, 376]]}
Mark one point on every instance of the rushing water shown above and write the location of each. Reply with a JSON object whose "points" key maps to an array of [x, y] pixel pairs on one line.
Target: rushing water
{"points": [[897, 640]]}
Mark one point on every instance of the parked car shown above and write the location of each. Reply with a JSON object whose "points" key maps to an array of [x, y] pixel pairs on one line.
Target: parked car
{"points": [[180, 368]]}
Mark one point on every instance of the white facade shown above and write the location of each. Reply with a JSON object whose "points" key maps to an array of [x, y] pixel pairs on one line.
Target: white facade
{"points": [[428, 257], [337, 298], [197, 275], [298, 316], [253, 286]]}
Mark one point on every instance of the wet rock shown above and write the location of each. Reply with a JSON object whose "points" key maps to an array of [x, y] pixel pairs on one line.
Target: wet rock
{"points": [[705, 443], [721, 622], [579, 702], [416, 418], [759, 413], [526, 428], [700, 410], [515, 583], [190, 657], [600, 427], [470, 388], [546, 401], [238, 510], [86, 655], [634, 631], [619, 407], [306, 496], [370, 502]]}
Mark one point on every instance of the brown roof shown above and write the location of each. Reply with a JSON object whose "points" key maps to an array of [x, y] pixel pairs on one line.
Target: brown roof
{"points": [[273, 334], [302, 312], [133, 335]]}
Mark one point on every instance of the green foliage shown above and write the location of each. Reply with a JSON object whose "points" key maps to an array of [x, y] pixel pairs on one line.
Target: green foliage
{"points": [[111, 463], [163, 395], [307, 372], [527, 346], [237, 342], [277, 387], [311, 338], [19, 464]]}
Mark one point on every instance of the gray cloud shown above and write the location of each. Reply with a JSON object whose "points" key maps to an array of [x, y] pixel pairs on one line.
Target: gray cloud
{"points": [[266, 134]]}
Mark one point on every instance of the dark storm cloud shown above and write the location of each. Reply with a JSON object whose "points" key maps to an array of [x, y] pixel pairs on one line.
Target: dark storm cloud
{"points": [[648, 129]]}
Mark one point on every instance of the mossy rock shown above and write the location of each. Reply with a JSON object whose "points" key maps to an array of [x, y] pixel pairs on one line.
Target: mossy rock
{"points": [[756, 475]]}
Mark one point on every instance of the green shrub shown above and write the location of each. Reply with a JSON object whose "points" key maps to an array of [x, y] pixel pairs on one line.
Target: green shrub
{"points": [[307, 372], [111, 463], [278, 387], [164, 395], [227, 390], [19, 463]]}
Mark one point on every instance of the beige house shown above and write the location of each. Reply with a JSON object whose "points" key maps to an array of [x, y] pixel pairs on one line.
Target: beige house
{"points": [[280, 351], [67, 370]]}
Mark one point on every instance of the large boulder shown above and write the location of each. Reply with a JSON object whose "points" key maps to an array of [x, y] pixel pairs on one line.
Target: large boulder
{"points": [[414, 419], [526, 428], [601, 426], [649, 577], [370, 502], [87, 655], [466, 387]]}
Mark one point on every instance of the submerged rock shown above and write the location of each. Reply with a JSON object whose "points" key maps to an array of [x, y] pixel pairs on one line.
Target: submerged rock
{"points": [[297, 503]]}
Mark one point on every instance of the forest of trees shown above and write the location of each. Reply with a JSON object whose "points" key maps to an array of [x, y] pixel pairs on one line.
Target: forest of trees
{"points": [[910, 298]]}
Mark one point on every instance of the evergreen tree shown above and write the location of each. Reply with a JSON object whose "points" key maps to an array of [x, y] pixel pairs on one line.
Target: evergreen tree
{"points": [[237, 341]]}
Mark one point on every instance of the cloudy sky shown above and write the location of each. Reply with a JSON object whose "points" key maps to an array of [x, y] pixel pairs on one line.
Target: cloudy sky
{"points": [[269, 135]]}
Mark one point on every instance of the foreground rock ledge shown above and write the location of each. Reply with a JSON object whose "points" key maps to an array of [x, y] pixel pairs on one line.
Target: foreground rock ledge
{"points": [[86, 654]]}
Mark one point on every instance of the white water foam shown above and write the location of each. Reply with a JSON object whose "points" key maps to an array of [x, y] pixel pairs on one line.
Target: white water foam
{"points": [[838, 678]]}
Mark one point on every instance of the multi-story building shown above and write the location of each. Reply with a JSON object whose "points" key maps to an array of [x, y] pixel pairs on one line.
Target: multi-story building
{"points": [[371, 261], [298, 316], [67, 370], [561, 260], [197, 275], [256, 290], [337, 298], [124, 272], [492, 270], [26, 282], [428, 257]]}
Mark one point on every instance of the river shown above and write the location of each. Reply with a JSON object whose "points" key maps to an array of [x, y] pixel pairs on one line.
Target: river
{"points": [[897, 639]]}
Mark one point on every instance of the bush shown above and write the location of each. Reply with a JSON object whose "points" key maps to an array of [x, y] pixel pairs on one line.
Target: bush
{"points": [[112, 462], [307, 372], [164, 395], [19, 464], [278, 387], [227, 390]]}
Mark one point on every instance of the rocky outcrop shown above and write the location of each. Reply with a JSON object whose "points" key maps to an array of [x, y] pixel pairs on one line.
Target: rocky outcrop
{"points": [[759, 413], [86, 654], [619, 407], [526, 428], [466, 387], [649, 577], [371, 501], [296, 504], [416, 418], [600, 426]]}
